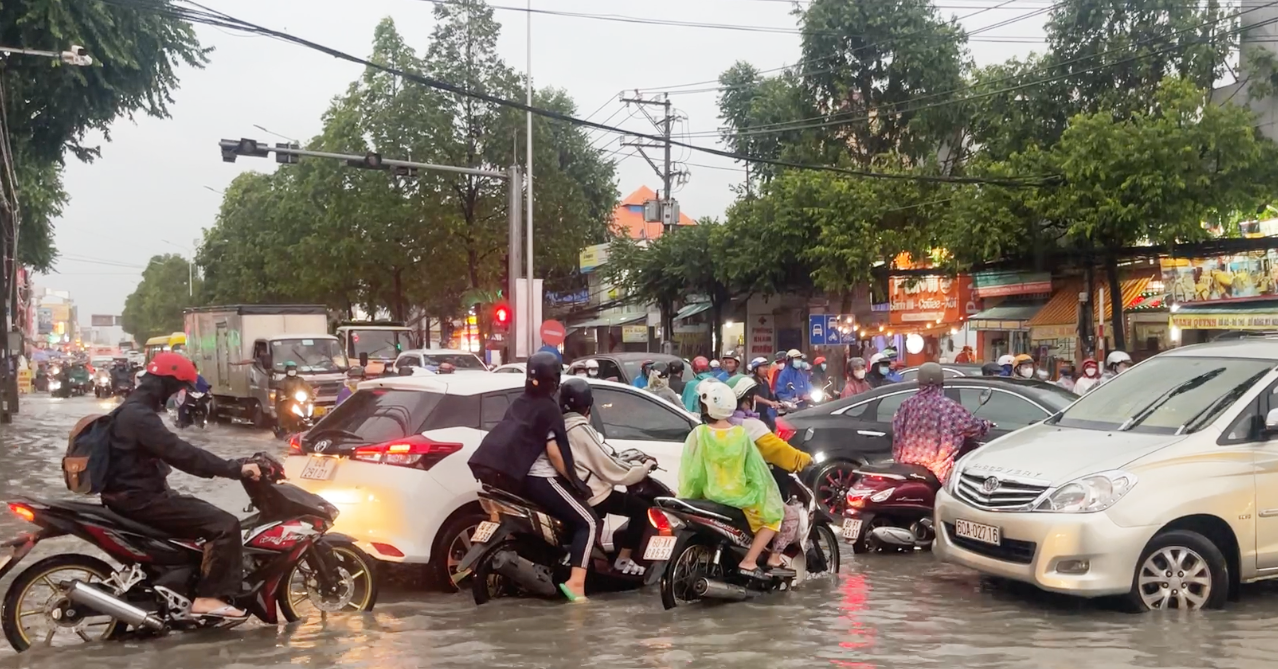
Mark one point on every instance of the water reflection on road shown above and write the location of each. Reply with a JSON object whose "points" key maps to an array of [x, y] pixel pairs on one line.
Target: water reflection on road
{"points": [[882, 612]]}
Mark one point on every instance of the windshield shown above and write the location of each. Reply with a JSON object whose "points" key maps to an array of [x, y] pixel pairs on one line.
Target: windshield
{"points": [[459, 360], [1166, 395], [310, 355], [379, 344]]}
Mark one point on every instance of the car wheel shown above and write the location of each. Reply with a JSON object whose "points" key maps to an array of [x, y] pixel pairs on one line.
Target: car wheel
{"points": [[1180, 569], [451, 545], [832, 483]]}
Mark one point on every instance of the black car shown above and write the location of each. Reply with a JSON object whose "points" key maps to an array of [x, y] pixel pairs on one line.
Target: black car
{"points": [[857, 430], [951, 370], [624, 367]]}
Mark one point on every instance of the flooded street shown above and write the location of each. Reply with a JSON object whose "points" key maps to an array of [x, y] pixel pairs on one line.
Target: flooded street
{"points": [[880, 612]]}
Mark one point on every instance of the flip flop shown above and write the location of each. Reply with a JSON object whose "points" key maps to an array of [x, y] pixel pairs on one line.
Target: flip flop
{"points": [[756, 573], [225, 613], [572, 596]]}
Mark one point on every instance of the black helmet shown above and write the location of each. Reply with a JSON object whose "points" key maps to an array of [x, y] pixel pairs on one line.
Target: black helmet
{"points": [[991, 369], [543, 373], [576, 396], [661, 368], [676, 367]]}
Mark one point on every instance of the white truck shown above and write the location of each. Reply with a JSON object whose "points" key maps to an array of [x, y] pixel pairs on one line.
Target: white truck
{"points": [[378, 343], [242, 350]]}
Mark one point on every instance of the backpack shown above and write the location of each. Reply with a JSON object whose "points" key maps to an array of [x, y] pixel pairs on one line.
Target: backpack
{"points": [[84, 468]]}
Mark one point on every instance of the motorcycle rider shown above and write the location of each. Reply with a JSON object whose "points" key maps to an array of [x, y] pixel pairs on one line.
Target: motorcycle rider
{"points": [[821, 376], [730, 366], [857, 382], [765, 402], [880, 370], [778, 365], [676, 378], [527, 453], [1090, 378], [792, 383], [716, 368], [1024, 366], [641, 381], [577, 368], [659, 384], [185, 401], [121, 373], [929, 428], [991, 369], [598, 466], [592, 369], [288, 389], [700, 367], [1116, 363], [354, 376], [1067, 378], [143, 452], [1007, 363]]}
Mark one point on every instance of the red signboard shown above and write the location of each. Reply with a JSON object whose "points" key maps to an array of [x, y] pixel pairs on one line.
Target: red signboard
{"points": [[553, 333], [918, 300]]}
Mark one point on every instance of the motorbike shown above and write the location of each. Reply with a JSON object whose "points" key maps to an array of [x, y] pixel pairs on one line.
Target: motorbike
{"points": [[290, 559], [122, 387], [295, 414], [192, 409], [708, 540], [824, 394], [522, 550], [101, 385]]}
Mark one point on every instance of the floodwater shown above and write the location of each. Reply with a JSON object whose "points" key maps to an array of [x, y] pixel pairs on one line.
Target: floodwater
{"points": [[881, 612]]}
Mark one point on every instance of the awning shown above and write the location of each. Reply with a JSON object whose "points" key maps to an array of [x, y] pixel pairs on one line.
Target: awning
{"points": [[690, 310], [1062, 309], [1254, 315], [1006, 317], [611, 321]]}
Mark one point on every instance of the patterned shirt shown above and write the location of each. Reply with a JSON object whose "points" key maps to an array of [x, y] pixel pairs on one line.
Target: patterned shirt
{"points": [[929, 430]]}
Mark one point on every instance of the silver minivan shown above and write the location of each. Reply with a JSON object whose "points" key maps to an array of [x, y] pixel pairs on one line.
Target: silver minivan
{"points": [[1160, 486]]}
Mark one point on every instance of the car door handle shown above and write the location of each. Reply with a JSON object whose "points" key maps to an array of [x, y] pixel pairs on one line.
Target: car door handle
{"points": [[871, 433]]}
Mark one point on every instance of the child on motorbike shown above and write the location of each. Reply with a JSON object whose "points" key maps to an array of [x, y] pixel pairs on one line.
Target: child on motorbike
{"points": [[721, 463], [598, 466]]}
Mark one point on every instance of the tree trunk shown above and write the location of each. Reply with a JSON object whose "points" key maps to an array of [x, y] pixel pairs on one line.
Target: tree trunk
{"points": [[716, 328], [397, 278], [1115, 301]]}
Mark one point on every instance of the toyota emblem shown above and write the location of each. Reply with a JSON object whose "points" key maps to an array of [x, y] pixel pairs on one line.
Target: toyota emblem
{"points": [[990, 485], [323, 444]]}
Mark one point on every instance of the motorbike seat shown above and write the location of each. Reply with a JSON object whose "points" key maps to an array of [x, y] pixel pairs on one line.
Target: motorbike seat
{"points": [[512, 498], [736, 515], [900, 471], [101, 512]]}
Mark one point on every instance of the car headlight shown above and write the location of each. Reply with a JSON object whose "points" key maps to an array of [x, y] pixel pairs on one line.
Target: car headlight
{"points": [[1089, 494]]}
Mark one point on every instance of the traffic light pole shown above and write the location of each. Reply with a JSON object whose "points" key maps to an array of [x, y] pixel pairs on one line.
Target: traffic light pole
{"points": [[290, 153]]}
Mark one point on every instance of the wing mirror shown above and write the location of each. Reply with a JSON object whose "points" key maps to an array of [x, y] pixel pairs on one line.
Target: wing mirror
{"points": [[1271, 423]]}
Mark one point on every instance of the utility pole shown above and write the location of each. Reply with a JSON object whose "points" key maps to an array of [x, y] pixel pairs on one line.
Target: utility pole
{"points": [[666, 210]]}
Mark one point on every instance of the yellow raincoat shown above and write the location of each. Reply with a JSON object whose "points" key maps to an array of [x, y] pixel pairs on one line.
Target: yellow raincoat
{"points": [[724, 466]]}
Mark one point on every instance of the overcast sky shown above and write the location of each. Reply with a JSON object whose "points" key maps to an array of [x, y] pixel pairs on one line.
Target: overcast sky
{"points": [[153, 190]]}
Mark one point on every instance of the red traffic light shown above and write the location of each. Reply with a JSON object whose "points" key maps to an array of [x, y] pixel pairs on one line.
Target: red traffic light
{"points": [[501, 315]]}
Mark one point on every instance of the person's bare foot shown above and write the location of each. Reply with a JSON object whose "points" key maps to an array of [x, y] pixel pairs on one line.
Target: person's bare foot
{"points": [[206, 606]]}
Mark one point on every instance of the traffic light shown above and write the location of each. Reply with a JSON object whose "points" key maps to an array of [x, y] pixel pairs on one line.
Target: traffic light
{"points": [[232, 149], [501, 317]]}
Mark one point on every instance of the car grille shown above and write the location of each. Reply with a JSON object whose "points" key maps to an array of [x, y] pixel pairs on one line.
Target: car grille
{"points": [[1009, 494], [1009, 550]]}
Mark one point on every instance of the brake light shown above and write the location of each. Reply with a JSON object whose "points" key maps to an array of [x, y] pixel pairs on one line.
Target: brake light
{"points": [[388, 550], [415, 451], [295, 444], [22, 511], [785, 430], [659, 521]]}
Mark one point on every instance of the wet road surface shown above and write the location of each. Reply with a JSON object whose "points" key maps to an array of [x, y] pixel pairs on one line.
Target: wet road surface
{"points": [[881, 612]]}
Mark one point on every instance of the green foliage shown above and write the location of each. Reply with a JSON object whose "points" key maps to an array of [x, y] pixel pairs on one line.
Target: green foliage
{"points": [[155, 307]]}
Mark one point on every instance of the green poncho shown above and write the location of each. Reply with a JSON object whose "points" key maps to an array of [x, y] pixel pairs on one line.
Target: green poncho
{"points": [[724, 466]]}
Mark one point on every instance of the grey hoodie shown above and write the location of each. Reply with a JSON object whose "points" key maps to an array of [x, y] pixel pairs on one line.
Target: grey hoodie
{"points": [[596, 462]]}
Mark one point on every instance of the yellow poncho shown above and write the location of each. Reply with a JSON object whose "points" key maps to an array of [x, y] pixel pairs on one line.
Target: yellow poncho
{"points": [[724, 466]]}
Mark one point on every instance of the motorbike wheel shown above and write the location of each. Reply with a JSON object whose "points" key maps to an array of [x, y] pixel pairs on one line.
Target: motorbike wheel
{"points": [[868, 544], [357, 591], [35, 595], [824, 540], [486, 584], [682, 571]]}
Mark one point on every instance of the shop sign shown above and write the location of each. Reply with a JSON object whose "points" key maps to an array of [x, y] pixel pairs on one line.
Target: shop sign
{"points": [[996, 325], [1264, 321], [1232, 277], [634, 334], [1003, 284], [935, 298], [762, 337], [593, 257], [1052, 332]]}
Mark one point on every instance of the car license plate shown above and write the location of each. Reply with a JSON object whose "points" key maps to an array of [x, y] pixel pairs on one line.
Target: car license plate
{"points": [[659, 548], [986, 534], [319, 468], [484, 532], [851, 529]]}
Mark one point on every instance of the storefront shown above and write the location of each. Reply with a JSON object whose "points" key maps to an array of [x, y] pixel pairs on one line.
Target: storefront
{"points": [[1011, 299], [1054, 329], [1208, 297], [930, 308], [1202, 322]]}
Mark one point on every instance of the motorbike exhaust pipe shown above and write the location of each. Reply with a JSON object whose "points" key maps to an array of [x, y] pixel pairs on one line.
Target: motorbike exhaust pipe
{"points": [[712, 589], [895, 536], [87, 595], [525, 572]]}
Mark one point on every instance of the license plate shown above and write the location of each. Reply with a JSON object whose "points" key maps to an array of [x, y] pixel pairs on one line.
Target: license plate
{"points": [[659, 548], [851, 529], [484, 532], [986, 534], [320, 411], [319, 469]]}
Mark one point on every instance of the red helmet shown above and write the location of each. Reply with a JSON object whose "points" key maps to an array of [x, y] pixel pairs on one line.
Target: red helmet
{"points": [[174, 365], [700, 364], [818, 361]]}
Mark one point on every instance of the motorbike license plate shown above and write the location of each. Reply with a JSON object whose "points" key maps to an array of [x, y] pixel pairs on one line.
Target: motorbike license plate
{"points": [[659, 548], [851, 529], [319, 468], [320, 411], [986, 534], [484, 532]]}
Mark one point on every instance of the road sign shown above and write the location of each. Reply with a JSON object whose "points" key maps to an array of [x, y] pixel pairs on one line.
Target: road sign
{"points": [[824, 330], [553, 333]]}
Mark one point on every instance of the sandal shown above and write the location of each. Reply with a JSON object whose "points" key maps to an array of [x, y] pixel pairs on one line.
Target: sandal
{"points": [[756, 573], [225, 613], [572, 596]]}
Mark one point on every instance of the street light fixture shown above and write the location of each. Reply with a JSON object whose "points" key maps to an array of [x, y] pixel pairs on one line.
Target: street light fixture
{"points": [[75, 55]]}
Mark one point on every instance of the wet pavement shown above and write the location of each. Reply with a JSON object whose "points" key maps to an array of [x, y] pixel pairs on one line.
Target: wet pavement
{"points": [[881, 612]]}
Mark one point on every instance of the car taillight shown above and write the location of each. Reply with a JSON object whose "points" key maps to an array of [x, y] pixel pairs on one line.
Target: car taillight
{"points": [[785, 430], [415, 451], [295, 444], [22, 511]]}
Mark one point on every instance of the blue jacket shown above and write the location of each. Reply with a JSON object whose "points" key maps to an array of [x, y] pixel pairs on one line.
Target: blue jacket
{"points": [[722, 374], [201, 386], [641, 381], [789, 376]]}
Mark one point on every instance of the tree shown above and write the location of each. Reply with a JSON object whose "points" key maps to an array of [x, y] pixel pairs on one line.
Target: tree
{"points": [[155, 306]]}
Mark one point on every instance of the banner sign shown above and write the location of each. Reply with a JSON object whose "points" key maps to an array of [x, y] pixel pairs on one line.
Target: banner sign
{"points": [[1239, 321], [1243, 276]]}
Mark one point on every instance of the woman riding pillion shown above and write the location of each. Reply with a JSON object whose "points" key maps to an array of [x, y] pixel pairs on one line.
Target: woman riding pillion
{"points": [[598, 466], [528, 453]]}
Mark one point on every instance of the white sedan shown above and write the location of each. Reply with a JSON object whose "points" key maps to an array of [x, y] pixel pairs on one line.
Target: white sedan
{"points": [[393, 457]]}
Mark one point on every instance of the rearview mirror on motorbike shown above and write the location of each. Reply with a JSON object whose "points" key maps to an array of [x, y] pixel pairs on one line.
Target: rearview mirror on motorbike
{"points": [[363, 359]]}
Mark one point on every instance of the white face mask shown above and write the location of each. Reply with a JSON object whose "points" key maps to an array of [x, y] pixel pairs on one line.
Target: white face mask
{"points": [[797, 364], [884, 369], [1026, 371], [859, 374], [592, 372], [1090, 372], [824, 366]]}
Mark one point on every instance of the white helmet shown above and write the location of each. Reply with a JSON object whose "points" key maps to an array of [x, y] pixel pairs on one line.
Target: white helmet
{"points": [[719, 399], [592, 364], [743, 385], [794, 353], [714, 364], [1117, 358], [1007, 360], [877, 358], [757, 363]]}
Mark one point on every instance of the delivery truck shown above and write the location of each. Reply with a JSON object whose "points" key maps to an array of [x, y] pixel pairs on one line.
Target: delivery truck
{"points": [[375, 344], [242, 351]]}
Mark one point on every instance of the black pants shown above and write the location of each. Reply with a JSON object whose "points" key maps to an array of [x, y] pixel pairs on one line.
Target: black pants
{"points": [[191, 518], [555, 496], [632, 507]]}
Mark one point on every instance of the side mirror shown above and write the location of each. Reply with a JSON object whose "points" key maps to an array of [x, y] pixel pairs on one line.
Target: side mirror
{"points": [[363, 359], [985, 396], [1271, 423]]}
